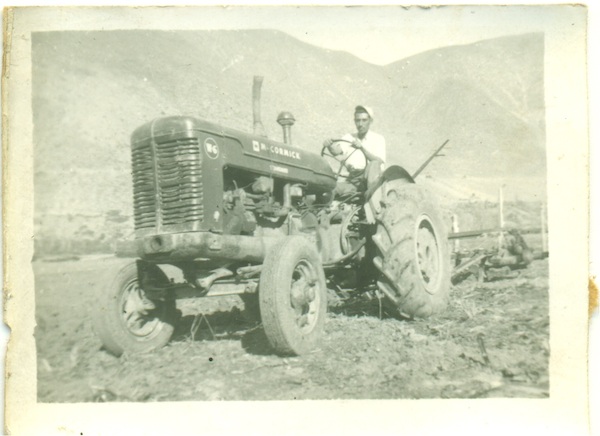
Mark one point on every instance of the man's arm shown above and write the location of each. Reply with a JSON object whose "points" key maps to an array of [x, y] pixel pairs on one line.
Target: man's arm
{"points": [[370, 156]]}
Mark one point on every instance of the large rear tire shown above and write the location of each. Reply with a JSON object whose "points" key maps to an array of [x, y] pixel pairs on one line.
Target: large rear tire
{"points": [[293, 297], [413, 259], [125, 320]]}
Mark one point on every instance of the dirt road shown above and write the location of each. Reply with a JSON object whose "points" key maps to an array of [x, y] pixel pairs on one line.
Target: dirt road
{"points": [[491, 342]]}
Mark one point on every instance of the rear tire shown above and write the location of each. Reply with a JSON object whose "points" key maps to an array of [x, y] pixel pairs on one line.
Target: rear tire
{"points": [[125, 320], [293, 297], [413, 259]]}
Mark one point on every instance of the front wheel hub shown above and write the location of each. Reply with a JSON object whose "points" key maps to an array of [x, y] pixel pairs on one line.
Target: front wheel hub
{"points": [[303, 294], [136, 310]]}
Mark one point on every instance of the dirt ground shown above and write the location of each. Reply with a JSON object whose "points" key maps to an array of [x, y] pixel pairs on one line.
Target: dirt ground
{"points": [[491, 342]]}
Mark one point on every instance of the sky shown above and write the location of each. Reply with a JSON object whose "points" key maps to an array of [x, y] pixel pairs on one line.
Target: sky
{"points": [[386, 34], [379, 35]]}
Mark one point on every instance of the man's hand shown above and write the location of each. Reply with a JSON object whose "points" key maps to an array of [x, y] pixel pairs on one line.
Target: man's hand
{"points": [[357, 144], [328, 143]]}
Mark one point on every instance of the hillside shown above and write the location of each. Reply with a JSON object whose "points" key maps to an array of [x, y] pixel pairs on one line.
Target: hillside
{"points": [[487, 97], [91, 89]]}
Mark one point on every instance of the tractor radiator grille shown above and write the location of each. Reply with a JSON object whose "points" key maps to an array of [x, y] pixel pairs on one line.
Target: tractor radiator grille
{"points": [[144, 199], [167, 183]]}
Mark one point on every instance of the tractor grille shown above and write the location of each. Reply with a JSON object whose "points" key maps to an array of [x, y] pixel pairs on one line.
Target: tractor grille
{"points": [[167, 183]]}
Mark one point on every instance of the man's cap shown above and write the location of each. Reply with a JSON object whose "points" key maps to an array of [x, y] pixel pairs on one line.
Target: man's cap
{"points": [[364, 109]]}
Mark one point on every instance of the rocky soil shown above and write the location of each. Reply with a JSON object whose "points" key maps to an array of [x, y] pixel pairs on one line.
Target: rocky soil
{"points": [[493, 341]]}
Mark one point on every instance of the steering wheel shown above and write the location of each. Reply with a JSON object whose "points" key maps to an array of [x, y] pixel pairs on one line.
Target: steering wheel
{"points": [[343, 163]]}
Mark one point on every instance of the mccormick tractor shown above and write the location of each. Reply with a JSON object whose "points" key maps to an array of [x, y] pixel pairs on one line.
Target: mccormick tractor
{"points": [[239, 213]]}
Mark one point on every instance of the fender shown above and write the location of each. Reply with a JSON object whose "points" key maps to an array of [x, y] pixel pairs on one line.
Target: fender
{"points": [[394, 172]]}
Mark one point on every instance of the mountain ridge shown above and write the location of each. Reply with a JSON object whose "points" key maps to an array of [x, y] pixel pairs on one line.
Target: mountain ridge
{"points": [[92, 89]]}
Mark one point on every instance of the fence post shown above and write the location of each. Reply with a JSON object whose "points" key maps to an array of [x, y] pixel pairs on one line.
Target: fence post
{"points": [[455, 229], [501, 216], [544, 228]]}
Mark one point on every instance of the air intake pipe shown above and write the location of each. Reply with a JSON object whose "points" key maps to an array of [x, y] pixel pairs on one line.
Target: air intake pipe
{"points": [[286, 120]]}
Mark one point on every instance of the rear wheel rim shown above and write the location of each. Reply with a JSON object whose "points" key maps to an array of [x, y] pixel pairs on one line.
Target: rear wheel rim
{"points": [[428, 255]]}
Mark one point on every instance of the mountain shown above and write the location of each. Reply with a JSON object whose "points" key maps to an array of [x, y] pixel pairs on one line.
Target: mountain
{"points": [[92, 89], [487, 98]]}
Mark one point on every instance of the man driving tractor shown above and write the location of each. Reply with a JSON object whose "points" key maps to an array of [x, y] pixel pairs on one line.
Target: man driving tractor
{"points": [[362, 153]]}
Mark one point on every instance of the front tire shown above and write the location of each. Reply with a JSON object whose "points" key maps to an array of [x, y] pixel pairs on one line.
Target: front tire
{"points": [[414, 261], [125, 320], [293, 297]]}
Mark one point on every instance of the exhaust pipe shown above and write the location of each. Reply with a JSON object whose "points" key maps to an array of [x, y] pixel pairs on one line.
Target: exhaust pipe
{"points": [[259, 129]]}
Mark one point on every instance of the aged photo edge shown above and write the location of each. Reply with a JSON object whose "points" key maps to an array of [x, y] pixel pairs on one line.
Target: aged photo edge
{"points": [[15, 260]]}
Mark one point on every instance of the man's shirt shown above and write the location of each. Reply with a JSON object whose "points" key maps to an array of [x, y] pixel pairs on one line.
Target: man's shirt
{"points": [[372, 142]]}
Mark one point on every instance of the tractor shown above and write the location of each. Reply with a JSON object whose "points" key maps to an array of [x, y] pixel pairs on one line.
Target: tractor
{"points": [[239, 213]]}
